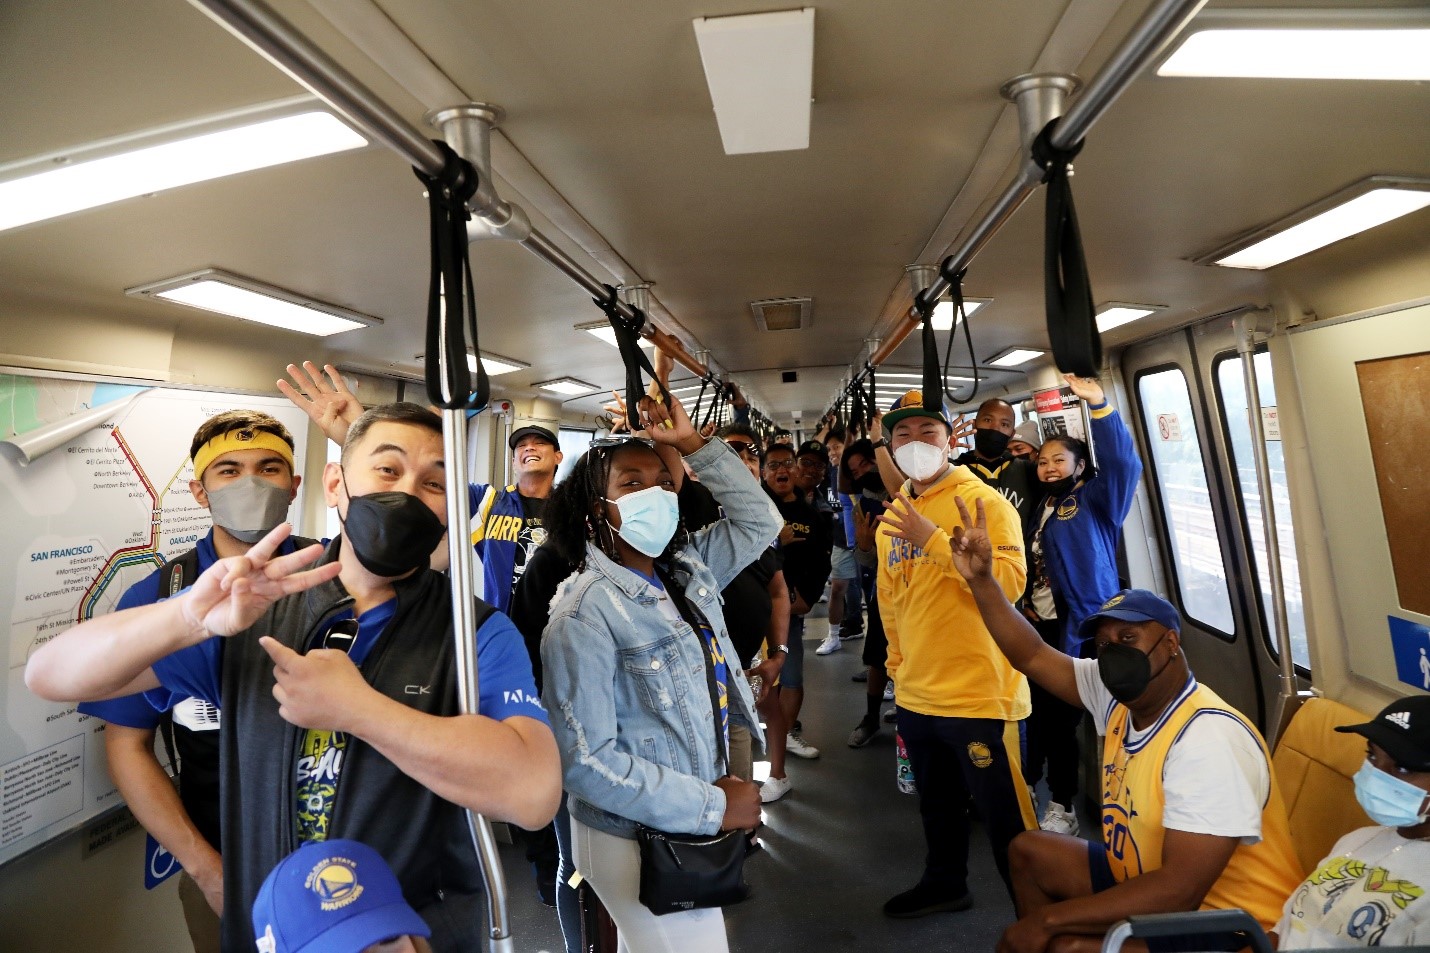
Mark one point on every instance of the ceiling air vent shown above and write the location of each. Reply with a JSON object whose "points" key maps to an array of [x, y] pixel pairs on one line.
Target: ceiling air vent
{"points": [[783, 314]]}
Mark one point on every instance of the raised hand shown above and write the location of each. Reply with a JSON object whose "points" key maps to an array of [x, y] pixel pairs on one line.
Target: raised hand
{"points": [[1086, 388], [963, 428], [329, 404], [669, 425], [972, 549], [864, 529], [316, 690], [906, 522], [232, 593], [876, 429]]}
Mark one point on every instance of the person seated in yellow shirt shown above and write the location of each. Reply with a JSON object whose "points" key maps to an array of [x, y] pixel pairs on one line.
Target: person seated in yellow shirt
{"points": [[1191, 815]]}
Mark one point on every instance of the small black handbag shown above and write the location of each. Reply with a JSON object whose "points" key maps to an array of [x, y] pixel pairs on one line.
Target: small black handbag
{"points": [[693, 871]]}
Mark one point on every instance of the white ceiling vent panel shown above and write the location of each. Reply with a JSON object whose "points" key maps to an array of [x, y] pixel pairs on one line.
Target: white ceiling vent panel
{"points": [[760, 69], [783, 314]]}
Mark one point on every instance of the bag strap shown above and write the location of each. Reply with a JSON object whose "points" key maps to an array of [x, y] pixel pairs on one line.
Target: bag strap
{"points": [[696, 620]]}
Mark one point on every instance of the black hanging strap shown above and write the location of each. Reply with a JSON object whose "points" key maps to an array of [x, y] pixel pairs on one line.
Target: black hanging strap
{"points": [[627, 340], [451, 305], [932, 377], [871, 406], [695, 415], [955, 285], [1072, 326]]}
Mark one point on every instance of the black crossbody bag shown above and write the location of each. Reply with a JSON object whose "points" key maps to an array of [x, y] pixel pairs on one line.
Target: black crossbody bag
{"points": [[691, 871]]}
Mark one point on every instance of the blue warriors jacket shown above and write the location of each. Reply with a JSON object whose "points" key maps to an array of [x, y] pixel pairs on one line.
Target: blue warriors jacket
{"points": [[504, 537]]}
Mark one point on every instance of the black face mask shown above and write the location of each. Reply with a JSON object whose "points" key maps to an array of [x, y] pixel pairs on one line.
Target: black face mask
{"points": [[989, 443], [870, 481], [392, 533], [1125, 671], [1060, 488]]}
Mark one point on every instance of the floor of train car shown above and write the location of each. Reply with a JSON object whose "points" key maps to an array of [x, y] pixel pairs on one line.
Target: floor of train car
{"points": [[838, 845]]}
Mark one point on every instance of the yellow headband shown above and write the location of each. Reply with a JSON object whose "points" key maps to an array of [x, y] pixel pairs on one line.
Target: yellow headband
{"points": [[244, 439]]}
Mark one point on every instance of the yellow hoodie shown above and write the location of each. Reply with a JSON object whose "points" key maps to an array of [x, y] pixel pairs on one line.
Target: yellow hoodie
{"points": [[941, 656]]}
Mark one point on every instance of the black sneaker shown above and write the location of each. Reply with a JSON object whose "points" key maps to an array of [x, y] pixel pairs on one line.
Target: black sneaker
{"points": [[923, 900], [863, 733], [860, 676]]}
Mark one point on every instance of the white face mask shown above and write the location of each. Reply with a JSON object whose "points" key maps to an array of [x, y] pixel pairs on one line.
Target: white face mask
{"points": [[921, 461]]}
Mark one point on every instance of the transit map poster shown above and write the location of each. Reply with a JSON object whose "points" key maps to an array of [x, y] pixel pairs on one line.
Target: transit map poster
{"points": [[94, 496]]}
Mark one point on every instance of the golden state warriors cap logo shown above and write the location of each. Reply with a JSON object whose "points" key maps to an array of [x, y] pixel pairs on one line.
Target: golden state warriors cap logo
{"points": [[1114, 601], [335, 882], [979, 754]]}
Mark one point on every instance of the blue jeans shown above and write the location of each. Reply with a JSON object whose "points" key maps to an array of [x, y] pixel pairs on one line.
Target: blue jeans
{"points": [[792, 675]]}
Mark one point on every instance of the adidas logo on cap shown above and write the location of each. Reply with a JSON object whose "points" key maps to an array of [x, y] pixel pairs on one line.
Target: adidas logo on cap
{"points": [[1401, 718]]}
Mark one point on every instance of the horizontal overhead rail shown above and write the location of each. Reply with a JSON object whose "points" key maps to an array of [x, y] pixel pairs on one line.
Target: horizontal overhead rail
{"points": [[282, 44], [1162, 23]]}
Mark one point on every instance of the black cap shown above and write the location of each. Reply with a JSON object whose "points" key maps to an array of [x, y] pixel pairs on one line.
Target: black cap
{"points": [[1403, 730], [813, 448], [529, 430]]}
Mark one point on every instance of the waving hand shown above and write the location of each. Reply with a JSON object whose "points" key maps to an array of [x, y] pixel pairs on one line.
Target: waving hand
{"points": [[972, 550], [329, 404]]}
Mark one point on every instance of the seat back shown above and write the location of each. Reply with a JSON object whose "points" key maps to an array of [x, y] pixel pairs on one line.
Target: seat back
{"points": [[1314, 765]]}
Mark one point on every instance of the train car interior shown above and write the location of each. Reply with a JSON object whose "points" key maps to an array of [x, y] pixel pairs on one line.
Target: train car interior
{"points": [[771, 189]]}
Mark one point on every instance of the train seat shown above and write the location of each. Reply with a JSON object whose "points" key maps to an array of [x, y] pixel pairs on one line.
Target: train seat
{"points": [[1314, 765]]}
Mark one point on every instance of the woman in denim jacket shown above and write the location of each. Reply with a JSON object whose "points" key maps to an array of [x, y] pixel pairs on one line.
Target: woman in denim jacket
{"points": [[626, 678]]}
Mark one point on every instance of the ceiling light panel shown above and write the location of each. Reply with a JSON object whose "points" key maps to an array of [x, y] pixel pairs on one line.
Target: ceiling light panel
{"points": [[249, 300], [1015, 356], [1275, 53], [604, 331], [760, 69], [1344, 218], [943, 316], [78, 185], [569, 386], [1114, 314]]}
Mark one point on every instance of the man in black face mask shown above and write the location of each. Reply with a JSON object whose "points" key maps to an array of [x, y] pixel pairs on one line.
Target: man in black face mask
{"points": [[338, 686], [991, 462], [1191, 815]]}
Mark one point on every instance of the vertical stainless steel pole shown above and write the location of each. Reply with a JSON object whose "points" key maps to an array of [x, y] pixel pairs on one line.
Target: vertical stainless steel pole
{"points": [[1246, 346]]}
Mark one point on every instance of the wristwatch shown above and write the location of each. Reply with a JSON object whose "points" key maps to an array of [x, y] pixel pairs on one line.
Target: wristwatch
{"points": [[782, 648], [883, 442]]}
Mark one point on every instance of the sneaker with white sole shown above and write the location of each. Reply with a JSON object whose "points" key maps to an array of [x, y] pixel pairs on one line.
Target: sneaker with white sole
{"points": [[773, 789], [800, 748], [888, 691], [1057, 820], [830, 645]]}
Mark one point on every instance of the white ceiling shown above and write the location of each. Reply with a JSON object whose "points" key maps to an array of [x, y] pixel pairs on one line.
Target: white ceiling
{"points": [[608, 102]]}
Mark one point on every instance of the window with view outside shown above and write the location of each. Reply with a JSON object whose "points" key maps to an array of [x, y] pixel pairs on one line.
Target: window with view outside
{"points": [[1232, 386], [1186, 498]]}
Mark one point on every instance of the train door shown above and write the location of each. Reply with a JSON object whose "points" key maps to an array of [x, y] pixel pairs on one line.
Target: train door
{"points": [[1189, 404]]}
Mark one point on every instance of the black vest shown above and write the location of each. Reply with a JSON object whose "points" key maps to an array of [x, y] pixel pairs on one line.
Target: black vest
{"points": [[424, 838]]}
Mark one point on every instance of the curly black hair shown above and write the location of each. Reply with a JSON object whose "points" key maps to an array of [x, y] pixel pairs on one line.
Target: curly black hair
{"points": [[575, 511]]}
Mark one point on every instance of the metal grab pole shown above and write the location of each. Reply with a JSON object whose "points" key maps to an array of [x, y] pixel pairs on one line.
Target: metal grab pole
{"points": [[1149, 37], [1246, 347], [278, 41], [459, 549]]}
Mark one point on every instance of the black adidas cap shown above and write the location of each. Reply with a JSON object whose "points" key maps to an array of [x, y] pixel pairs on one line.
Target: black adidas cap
{"points": [[1403, 730]]}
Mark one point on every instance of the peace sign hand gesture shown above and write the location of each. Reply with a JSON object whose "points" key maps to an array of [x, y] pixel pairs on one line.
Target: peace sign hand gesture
{"points": [[232, 593], [972, 549]]}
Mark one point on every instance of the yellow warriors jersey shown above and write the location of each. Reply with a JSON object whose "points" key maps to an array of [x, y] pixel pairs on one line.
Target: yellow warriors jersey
{"points": [[1258, 878]]}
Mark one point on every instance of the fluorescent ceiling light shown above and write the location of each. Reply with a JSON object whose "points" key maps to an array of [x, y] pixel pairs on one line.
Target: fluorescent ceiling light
{"points": [[495, 365], [569, 386], [1015, 356], [1271, 53], [1349, 212], [604, 331], [87, 184], [239, 297], [943, 316], [760, 71], [1114, 314]]}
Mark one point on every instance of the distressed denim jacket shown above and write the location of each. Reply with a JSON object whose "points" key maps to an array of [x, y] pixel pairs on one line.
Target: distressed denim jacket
{"points": [[627, 689]]}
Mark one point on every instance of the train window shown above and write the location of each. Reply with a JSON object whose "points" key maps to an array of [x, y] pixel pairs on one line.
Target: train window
{"points": [[573, 444], [1231, 391], [1187, 517]]}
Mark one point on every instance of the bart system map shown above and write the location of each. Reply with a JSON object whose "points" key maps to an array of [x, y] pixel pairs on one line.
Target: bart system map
{"points": [[79, 523]]}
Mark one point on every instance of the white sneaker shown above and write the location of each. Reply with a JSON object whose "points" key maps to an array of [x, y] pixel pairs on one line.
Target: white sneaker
{"points": [[888, 691], [773, 789], [829, 645], [800, 748], [1058, 821]]}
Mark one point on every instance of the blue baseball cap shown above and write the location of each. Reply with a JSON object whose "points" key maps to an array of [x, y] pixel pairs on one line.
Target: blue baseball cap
{"points": [[912, 405], [336, 896], [1133, 605]]}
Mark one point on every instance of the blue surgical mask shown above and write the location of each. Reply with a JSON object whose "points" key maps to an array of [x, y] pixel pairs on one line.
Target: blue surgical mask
{"points": [[648, 519], [1387, 799]]}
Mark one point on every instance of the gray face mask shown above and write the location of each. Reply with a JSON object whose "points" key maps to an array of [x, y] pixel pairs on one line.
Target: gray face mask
{"points": [[249, 507]]}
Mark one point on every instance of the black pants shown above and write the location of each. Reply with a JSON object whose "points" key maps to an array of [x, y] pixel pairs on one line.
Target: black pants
{"points": [[953, 760], [1052, 734], [458, 922]]}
